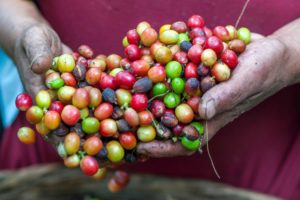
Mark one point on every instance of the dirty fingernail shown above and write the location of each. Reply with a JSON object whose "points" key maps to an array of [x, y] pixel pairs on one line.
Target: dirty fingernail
{"points": [[210, 109]]}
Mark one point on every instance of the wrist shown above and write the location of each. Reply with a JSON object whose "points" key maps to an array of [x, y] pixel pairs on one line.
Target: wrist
{"points": [[288, 36]]}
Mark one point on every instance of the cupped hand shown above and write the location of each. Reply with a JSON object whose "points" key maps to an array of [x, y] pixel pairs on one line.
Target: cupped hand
{"points": [[262, 71], [33, 54]]}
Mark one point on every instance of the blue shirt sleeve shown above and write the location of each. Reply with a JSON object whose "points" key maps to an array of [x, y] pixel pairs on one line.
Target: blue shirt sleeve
{"points": [[10, 87]]}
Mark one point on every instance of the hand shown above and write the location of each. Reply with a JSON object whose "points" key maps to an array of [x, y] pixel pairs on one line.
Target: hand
{"points": [[33, 54], [261, 72]]}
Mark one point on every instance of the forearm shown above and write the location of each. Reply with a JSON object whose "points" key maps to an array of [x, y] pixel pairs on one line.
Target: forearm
{"points": [[15, 16], [289, 35]]}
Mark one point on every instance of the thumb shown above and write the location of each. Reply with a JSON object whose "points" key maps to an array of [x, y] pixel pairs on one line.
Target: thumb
{"points": [[244, 83], [41, 44]]}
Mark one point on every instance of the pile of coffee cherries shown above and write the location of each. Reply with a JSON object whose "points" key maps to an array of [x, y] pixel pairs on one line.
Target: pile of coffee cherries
{"points": [[98, 108]]}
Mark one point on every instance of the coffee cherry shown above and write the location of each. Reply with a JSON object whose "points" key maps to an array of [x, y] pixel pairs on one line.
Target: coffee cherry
{"points": [[177, 130], [132, 117], [90, 125], [23, 101], [171, 100], [65, 94], [157, 108], [142, 26], [148, 36], [232, 32], [140, 68], [97, 63], [190, 71], [221, 72], [41, 128], [192, 87], [236, 45], [125, 80], [222, 33], [199, 127], [183, 37], [190, 132], [173, 69], [101, 173], [85, 51], [179, 27], [34, 114], [145, 117], [52, 119], [72, 143], [215, 44], [109, 95], [66, 63], [184, 113], [196, 32], [178, 85], [133, 52], [163, 55], [164, 28], [92, 145], [95, 97], [72, 161], [193, 102], [143, 85], [207, 83], [168, 37], [123, 126], [159, 89], [229, 57], [70, 115], [185, 46], [93, 75], [190, 144], [157, 74], [81, 98], [89, 165], [103, 111], [195, 21], [194, 53], [123, 97], [208, 32], [199, 40], [79, 72], [139, 102], [113, 61], [169, 119], [244, 34], [43, 99], [203, 70], [108, 127], [108, 81], [115, 151], [26, 135], [208, 57], [181, 57], [133, 37], [128, 140], [146, 133]]}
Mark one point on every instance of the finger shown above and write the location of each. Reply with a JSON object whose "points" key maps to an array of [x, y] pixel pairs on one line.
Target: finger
{"points": [[40, 47], [66, 49], [158, 149], [32, 82], [256, 36]]}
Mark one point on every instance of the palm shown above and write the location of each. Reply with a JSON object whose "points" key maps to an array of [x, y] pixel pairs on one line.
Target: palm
{"points": [[259, 74]]}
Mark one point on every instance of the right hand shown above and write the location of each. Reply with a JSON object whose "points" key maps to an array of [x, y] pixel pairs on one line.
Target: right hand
{"points": [[33, 54]]}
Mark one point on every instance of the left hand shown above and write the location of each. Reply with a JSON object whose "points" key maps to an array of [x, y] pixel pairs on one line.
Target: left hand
{"points": [[261, 72]]}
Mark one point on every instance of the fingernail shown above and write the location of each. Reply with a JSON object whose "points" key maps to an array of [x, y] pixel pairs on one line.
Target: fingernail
{"points": [[210, 109]]}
